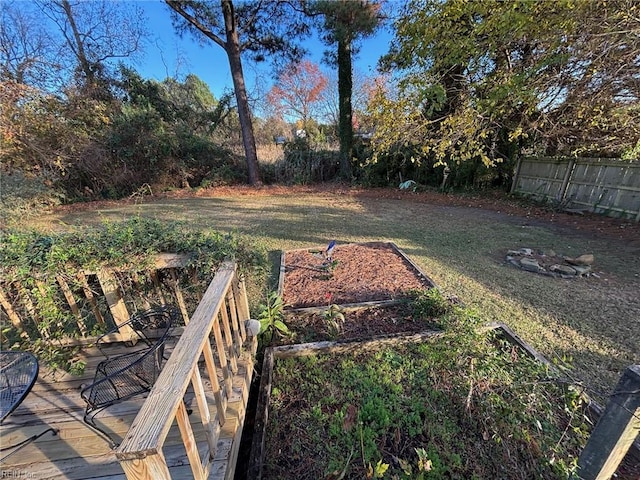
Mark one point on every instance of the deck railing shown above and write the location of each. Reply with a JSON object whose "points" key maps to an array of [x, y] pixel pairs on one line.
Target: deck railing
{"points": [[218, 319], [90, 297]]}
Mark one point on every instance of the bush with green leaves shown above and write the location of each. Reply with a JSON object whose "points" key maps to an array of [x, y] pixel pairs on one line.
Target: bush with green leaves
{"points": [[303, 164], [271, 318], [34, 262]]}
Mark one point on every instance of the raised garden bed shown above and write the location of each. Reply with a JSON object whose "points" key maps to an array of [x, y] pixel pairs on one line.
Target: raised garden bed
{"points": [[360, 274], [386, 398], [432, 404]]}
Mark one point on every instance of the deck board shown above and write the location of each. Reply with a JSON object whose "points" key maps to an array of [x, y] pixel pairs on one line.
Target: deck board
{"points": [[77, 452]]}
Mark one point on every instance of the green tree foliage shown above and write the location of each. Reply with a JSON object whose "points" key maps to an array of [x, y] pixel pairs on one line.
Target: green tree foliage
{"points": [[162, 134], [480, 82]]}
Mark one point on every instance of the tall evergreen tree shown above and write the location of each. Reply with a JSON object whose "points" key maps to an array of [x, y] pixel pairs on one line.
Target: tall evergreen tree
{"points": [[343, 23]]}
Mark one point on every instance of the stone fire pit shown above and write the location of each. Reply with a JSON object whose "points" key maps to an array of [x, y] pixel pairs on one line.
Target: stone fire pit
{"points": [[547, 262]]}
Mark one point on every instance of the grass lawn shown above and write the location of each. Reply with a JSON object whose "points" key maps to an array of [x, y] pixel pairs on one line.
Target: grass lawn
{"points": [[593, 324]]}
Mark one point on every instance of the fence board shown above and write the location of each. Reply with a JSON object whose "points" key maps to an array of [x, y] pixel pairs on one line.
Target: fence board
{"points": [[606, 186]]}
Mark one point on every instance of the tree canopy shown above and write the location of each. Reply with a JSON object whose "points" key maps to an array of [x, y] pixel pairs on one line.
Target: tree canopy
{"points": [[258, 27], [298, 90], [483, 81]]}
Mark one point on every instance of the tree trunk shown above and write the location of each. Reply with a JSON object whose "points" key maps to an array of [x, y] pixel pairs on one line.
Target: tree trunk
{"points": [[83, 61], [345, 126], [244, 114]]}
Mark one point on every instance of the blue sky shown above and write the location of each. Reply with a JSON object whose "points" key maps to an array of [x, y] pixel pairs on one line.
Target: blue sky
{"points": [[170, 55]]}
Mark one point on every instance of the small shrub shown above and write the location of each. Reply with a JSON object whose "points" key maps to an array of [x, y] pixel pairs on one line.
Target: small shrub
{"points": [[334, 320], [271, 318]]}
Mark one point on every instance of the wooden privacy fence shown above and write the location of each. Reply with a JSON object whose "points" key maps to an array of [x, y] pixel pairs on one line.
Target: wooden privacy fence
{"points": [[220, 315], [89, 298], [606, 186]]}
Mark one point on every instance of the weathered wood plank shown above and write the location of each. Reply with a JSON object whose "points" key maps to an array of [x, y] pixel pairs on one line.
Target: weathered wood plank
{"points": [[242, 302], [211, 426], [231, 351], [220, 397], [189, 441], [175, 284], [11, 313], [222, 356], [234, 306], [88, 293], [160, 261], [153, 422], [31, 309], [71, 300], [150, 467], [155, 279], [116, 304]]}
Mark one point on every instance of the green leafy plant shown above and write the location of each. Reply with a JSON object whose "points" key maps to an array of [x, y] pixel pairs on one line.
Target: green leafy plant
{"points": [[334, 320], [39, 269], [445, 408], [430, 303], [271, 318], [328, 267]]}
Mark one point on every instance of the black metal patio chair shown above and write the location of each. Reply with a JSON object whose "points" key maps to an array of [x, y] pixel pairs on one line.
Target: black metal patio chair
{"points": [[124, 376]]}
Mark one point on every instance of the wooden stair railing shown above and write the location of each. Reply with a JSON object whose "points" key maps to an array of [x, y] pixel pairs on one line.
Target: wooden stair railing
{"points": [[220, 315]]}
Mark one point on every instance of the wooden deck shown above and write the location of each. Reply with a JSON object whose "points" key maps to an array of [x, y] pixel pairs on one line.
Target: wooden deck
{"points": [[78, 452]]}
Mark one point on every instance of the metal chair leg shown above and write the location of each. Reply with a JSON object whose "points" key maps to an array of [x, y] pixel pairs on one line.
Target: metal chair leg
{"points": [[24, 443], [89, 420]]}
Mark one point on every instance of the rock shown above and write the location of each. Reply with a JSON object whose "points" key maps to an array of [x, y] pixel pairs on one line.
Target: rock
{"points": [[514, 253], [530, 264], [549, 253], [582, 269], [526, 251], [586, 259], [563, 269]]}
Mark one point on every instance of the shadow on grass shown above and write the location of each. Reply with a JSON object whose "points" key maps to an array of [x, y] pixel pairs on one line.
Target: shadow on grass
{"points": [[460, 247]]}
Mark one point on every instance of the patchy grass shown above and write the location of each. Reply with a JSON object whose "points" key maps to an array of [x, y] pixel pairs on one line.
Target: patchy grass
{"points": [[591, 324]]}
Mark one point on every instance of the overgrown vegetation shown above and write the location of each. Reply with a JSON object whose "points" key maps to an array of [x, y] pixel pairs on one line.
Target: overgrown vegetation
{"points": [[155, 133], [465, 405], [36, 268]]}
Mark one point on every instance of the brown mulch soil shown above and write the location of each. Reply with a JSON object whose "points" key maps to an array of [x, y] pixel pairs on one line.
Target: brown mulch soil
{"points": [[359, 324], [371, 272], [363, 273]]}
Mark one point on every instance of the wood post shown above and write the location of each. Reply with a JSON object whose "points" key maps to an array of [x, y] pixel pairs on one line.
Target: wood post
{"points": [[616, 430], [116, 303], [516, 174], [11, 313], [565, 181], [150, 467], [68, 295]]}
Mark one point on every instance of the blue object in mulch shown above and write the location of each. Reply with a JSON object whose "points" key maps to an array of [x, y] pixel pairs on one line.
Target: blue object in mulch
{"points": [[329, 251]]}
